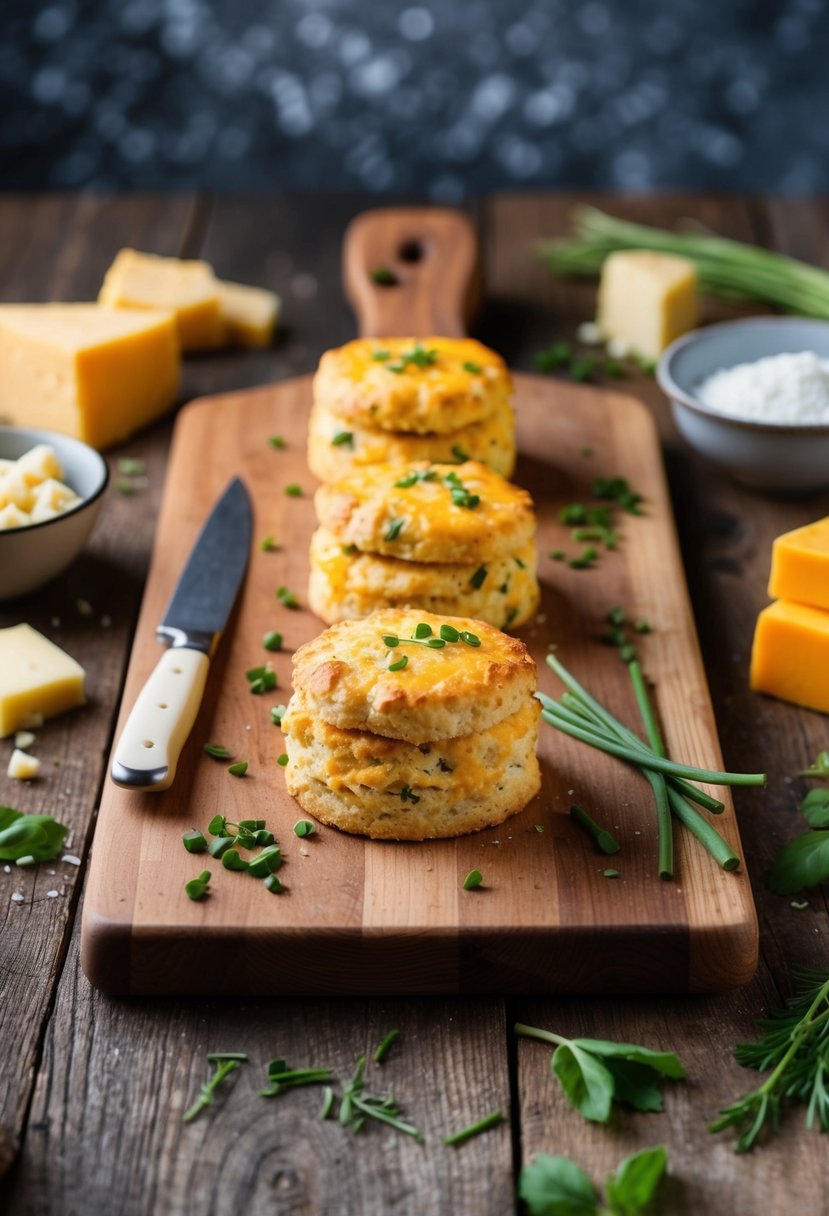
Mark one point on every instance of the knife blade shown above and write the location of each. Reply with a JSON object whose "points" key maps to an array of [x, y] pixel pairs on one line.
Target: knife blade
{"points": [[164, 712]]}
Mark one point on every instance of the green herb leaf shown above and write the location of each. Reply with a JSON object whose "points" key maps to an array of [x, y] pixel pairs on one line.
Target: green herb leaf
{"points": [[225, 1065], [815, 808], [274, 885], [473, 880], [385, 1046], [238, 769], [293, 490], [283, 759], [384, 277], [233, 860], [194, 841], [554, 357], [585, 1080], [220, 845], [304, 827], [380, 356], [196, 888], [37, 836], [268, 544], [460, 455], [276, 441], [407, 795], [555, 1186], [130, 467], [272, 641], [449, 633], [804, 862], [343, 438], [394, 529], [819, 769], [474, 369], [470, 639], [217, 826], [633, 1186], [400, 663], [278, 713], [422, 630], [286, 598], [267, 862]]}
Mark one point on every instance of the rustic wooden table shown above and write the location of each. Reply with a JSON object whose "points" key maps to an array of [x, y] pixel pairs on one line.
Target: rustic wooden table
{"points": [[92, 1089]]}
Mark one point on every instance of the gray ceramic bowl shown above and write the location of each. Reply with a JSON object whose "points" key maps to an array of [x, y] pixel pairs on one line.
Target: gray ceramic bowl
{"points": [[781, 457], [32, 555]]}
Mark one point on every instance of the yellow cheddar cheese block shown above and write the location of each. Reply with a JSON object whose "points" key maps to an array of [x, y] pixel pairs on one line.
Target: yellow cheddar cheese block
{"points": [[188, 288], [646, 300], [96, 373], [37, 679], [800, 565], [790, 656], [250, 313]]}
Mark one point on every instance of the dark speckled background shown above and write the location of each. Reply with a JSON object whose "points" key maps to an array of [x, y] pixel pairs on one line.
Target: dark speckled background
{"points": [[447, 98]]}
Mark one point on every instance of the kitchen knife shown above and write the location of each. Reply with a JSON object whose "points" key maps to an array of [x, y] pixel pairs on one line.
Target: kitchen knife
{"points": [[166, 708]]}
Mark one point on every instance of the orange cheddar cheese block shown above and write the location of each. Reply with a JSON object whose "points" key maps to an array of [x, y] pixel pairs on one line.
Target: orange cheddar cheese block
{"points": [[96, 373], [188, 288], [790, 656], [800, 565]]}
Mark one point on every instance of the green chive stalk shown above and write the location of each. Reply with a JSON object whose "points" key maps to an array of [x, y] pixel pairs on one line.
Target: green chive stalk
{"points": [[730, 269]]}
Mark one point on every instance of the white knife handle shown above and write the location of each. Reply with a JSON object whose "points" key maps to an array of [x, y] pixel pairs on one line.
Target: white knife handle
{"points": [[161, 720]]}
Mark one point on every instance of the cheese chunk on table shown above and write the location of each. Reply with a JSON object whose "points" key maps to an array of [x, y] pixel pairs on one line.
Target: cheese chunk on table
{"points": [[790, 656], [37, 679], [96, 373], [188, 288], [646, 300], [800, 565], [250, 313]]}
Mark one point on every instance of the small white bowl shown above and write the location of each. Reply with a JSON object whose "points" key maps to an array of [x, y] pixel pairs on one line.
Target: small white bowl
{"points": [[780, 457], [32, 555]]}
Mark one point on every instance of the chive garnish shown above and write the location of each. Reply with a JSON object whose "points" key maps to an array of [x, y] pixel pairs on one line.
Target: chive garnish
{"points": [[283, 759], [225, 1064], [558, 555], [217, 826], [278, 713], [304, 827], [384, 277], [610, 873], [268, 544], [217, 751], [418, 356], [341, 438], [478, 577], [400, 663], [460, 455], [282, 1078], [394, 529], [196, 888], [349, 550], [474, 1129], [267, 862], [605, 840], [194, 841], [286, 598], [238, 769], [474, 369], [273, 884], [380, 356], [233, 860], [327, 1102], [293, 490], [261, 680], [220, 845], [272, 640], [276, 441], [449, 633], [471, 639], [422, 630], [511, 615], [130, 467], [385, 1046], [521, 565], [473, 880], [407, 795]]}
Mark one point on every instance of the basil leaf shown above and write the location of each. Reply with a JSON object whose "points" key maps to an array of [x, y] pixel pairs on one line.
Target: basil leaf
{"points": [[555, 1186], [635, 1085], [631, 1188], [815, 808], [37, 836], [585, 1080], [804, 862], [7, 816], [664, 1062]]}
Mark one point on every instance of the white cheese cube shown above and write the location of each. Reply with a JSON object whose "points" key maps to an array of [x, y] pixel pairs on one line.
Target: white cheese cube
{"points": [[23, 767]]}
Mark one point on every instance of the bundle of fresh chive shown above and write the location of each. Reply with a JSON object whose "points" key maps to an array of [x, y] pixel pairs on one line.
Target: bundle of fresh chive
{"points": [[730, 269], [581, 716]]}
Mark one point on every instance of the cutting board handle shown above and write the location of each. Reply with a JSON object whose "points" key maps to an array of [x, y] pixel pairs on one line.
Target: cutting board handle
{"points": [[411, 271]]}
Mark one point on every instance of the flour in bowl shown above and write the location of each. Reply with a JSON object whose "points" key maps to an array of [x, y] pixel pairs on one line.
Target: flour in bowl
{"points": [[781, 388]]}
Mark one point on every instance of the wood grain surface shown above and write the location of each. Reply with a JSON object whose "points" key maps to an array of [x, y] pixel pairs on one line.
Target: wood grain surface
{"points": [[92, 1088]]}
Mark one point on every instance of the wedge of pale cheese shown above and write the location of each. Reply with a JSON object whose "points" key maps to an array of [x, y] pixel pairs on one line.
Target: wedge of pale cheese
{"points": [[37, 679], [96, 373], [646, 300], [250, 313], [188, 288]]}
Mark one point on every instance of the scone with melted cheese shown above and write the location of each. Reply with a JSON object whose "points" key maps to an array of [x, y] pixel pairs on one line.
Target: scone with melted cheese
{"points": [[346, 583], [441, 692], [387, 789], [427, 386], [337, 448]]}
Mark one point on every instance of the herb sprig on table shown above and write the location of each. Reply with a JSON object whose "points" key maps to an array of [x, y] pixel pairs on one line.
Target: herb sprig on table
{"points": [[556, 1186], [804, 861], [27, 839]]}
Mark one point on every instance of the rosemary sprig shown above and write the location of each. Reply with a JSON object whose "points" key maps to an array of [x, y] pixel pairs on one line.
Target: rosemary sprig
{"points": [[226, 1063]]}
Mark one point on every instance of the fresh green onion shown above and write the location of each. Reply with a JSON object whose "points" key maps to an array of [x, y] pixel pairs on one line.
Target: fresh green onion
{"points": [[217, 751], [474, 1129], [400, 663], [286, 598], [276, 441], [293, 490], [385, 1046], [238, 769], [272, 640], [194, 841], [304, 827], [283, 759], [605, 840], [196, 888]]}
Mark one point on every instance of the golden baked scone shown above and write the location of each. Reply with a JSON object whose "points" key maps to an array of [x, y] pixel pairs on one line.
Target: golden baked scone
{"points": [[346, 583], [421, 512], [388, 789], [427, 386], [439, 692], [337, 448]]}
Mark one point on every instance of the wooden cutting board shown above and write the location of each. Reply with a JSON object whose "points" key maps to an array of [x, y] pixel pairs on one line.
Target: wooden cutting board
{"points": [[362, 917]]}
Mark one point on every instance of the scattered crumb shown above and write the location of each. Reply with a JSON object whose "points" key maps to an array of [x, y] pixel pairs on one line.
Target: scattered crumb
{"points": [[24, 739], [73, 861], [304, 286], [83, 607], [618, 349], [52, 894], [7, 869], [17, 898], [589, 334], [50, 873], [304, 853], [541, 619], [55, 622], [800, 904], [22, 766], [106, 621]]}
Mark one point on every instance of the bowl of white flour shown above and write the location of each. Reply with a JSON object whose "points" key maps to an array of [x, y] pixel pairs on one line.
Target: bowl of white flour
{"points": [[753, 396]]}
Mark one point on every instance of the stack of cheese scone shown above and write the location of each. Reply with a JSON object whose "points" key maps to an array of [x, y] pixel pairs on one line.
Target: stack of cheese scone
{"points": [[399, 400], [453, 539], [406, 725]]}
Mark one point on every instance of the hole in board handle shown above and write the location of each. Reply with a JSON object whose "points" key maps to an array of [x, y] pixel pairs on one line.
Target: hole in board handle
{"points": [[412, 251]]}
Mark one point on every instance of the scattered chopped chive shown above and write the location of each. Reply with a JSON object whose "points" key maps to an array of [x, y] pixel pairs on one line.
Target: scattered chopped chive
{"points": [[616, 616], [521, 565], [304, 827], [642, 627], [380, 356], [220, 845], [349, 550], [215, 1057], [217, 751], [263, 837], [217, 826], [130, 467], [125, 487], [610, 873], [327, 1102], [422, 630], [390, 640], [449, 633], [511, 615], [406, 482], [400, 663], [474, 1129], [605, 840], [417, 356], [558, 555], [267, 862], [648, 366], [273, 884], [627, 653], [474, 368], [261, 680], [268, 544], [272, 640], [504, 588], [582, 369], [555, 356], [460, 455], [233, 860], [436, 643], [194, 841], [341, 438], [614, 369], [196, 888], [539, 827], [407, 795], [394, 529], [473, 880], [478, 577], [385, 1046], [224, 1066], [278, 713], [293, 490], [573, 514], [283, 759], [286, 598], [580, 535], [238, 769], [614, 637], [384, 277], [276, 441], [471, 639], [585, 559]]}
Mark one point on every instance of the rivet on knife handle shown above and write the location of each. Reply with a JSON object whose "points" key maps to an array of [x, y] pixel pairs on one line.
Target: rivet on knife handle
{"points": [[160, 721]]}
